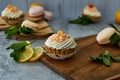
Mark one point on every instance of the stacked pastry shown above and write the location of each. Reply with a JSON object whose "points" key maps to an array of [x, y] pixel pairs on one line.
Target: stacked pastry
{"points": [[40, 30], [35, 20]]}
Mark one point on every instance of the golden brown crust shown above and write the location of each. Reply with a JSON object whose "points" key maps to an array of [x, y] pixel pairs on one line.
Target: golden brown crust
{"points": [[94, 18], [59, 51], [13, 21]]}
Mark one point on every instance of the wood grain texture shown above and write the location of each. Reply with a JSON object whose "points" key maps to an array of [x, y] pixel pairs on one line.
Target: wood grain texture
{"points": [[69, 8], [80, 67]]}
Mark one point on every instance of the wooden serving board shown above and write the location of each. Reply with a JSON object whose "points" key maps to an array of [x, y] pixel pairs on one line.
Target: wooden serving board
{"points": [[80, 66]]}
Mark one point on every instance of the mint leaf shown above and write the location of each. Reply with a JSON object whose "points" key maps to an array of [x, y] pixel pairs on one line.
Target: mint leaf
{"points": [[114, 27], [18, 29], [17, 46], [76, 21], [15, 55], [11, 31], [107, 54], [102, 58], [115, 59], [118, 43], [17, 49], [26, 30], [114, 38], [84, 20], [106, 60]]}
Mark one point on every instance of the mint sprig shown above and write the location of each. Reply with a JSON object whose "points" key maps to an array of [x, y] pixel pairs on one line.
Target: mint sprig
{"points": [[115, 39], [84, 20], [113, 26], [17, 30], [105, 58], [17, 49]]}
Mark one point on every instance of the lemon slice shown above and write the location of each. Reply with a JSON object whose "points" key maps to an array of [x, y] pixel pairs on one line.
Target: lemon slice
{"points": [[38, 51], [26, 55]]}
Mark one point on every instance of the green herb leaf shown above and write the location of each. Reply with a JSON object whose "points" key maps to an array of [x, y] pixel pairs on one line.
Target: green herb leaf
{"points": [[17, 49], [118, 43], [11, 31], [114, 38], [18, 29], [76, 21], [15, 55], [105, 58], [115, 59], [17, 46], [84, 20], [107, 54], [114, 27], [26, 30], [106, 61]]}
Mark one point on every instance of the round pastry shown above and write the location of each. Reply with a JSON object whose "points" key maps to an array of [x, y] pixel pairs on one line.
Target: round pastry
{"points": [[60, 46], [48, 15], [36, 10], [92, 12], [105, 34], [12, 15]]}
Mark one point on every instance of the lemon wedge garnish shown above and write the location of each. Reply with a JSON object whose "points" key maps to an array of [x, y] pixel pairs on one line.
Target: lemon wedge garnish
{"points": [[38, 52], [26, 55]]}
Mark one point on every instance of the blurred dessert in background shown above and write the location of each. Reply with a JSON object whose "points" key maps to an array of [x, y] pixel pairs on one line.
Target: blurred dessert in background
{"points": [[92, 12], [48, 15], [36, 10], [117, 16], [12, 15]]}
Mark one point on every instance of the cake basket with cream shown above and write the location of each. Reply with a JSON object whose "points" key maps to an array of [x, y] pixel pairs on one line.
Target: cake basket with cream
{"points": [[60, 46]]}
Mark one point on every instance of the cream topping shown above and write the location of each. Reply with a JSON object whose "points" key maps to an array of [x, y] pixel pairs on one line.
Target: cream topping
{"points": [[11, 12], [60, 43], [92, 11]]}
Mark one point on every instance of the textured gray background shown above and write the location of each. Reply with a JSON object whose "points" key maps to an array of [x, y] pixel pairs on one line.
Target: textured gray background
{"points": [[63, 10]]}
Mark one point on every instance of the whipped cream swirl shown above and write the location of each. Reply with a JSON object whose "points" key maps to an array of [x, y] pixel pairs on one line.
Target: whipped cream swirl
{"points": [[91, 10], [11, 12], [68, 43]]}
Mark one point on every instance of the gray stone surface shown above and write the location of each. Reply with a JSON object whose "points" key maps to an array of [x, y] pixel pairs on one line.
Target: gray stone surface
{"points": [[11, 70]]}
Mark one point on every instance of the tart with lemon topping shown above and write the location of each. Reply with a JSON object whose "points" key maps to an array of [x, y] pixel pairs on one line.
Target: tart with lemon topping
{"points": [[60, 46], [12, 15]]}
